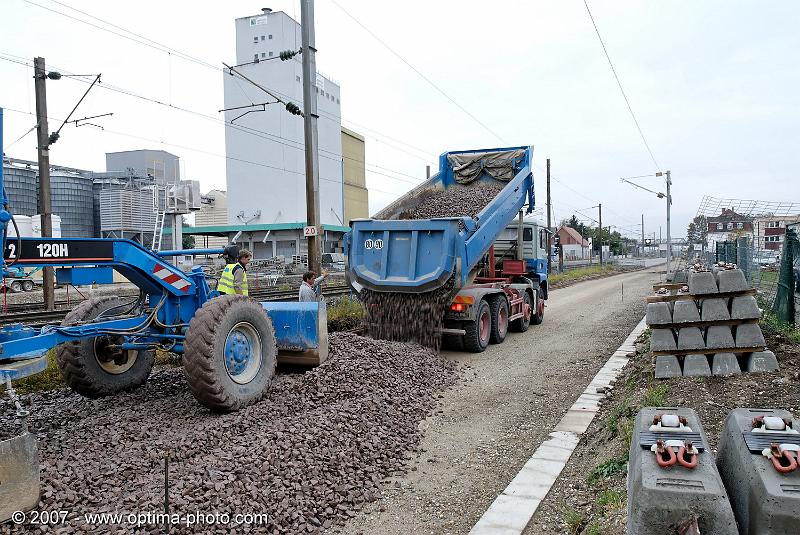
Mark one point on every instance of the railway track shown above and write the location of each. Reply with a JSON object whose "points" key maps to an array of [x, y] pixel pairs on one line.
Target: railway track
{"points": [[32, 314]]}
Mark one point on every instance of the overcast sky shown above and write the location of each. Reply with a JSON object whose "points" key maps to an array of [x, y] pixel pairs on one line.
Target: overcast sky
{"points": [[713, 85]]}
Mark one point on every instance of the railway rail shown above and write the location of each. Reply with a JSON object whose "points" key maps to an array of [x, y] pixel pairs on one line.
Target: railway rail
{"points": [[32, 314]]}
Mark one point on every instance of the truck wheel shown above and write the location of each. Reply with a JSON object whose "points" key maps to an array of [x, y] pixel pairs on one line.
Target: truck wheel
{"points": [[521, 325], [16, 287], [499, 309], [478, 331], [93, 367], [27, 286], [230, 354], [537, 316]]}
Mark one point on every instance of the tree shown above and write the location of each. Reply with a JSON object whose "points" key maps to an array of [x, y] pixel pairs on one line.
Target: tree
{"points": [[188, 240], [697, 232]]}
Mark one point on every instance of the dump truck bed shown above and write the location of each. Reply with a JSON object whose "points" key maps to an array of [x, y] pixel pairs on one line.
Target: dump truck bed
{"points": [[480, 191]]}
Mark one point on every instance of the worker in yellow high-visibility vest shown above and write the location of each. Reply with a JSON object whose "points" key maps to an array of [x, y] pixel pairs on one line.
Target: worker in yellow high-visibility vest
{"points": [[234, 277]]}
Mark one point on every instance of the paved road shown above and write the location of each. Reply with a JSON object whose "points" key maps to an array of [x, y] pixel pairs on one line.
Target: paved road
{"points": [[513, 396]]}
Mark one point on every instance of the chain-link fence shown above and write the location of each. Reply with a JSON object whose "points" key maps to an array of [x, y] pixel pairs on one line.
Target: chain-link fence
{"points": [[761, 238]]}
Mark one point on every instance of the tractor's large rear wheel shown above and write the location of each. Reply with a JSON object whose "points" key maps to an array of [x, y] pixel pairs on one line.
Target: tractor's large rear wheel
{"points": [[230, 353], [97, 367]]}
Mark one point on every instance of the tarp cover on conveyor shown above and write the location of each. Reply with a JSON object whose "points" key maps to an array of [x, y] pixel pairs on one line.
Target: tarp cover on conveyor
{"points": [[497, 164]]}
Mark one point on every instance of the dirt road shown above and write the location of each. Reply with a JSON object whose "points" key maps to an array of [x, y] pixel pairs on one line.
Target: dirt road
{"points": [[486, 430]]}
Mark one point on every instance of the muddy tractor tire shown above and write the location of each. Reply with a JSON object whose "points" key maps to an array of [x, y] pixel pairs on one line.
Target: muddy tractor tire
{"points": [[93, 367], [230, 353]]}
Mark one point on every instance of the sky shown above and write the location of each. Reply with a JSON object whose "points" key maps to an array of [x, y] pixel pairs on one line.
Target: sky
{"points": [[713, 85]]}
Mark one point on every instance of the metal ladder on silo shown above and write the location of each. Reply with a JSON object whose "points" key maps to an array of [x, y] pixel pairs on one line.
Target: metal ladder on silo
{"points": [[161, 215]]}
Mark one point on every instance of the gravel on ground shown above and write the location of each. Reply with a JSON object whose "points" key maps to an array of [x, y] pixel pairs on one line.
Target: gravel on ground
{"points": [[311, 454], [516, 393]]}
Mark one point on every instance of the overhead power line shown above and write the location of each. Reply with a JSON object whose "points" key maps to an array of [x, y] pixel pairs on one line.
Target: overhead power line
{"points": [[421, 75], [619, 84], [150, 43]]}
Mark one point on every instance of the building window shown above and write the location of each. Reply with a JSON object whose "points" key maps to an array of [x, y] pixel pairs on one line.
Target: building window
{"points": [[719, 226], [255, 38], [773, 224], [740, 225], [730, 226], [270, 53], [337, 101], [255, 57], [263, 55], [270, 36], [262, 37], [297, 78]]}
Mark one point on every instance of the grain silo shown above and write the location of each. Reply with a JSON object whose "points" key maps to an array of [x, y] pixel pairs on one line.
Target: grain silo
{"points": [[22, 187], [73, 200]]}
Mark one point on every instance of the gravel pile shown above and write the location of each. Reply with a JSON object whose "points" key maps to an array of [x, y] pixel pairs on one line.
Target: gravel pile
{"points": [[407, 317], [310, 454], [457, 200], [418, 317]]}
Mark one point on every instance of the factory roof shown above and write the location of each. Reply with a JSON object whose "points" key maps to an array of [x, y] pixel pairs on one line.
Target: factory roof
{"points": [[223, 230]]}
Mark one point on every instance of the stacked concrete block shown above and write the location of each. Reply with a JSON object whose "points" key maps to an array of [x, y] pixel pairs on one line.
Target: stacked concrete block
{"points": [[749, 335], [685, 312], [764, 501], [667, 366], [762, 361], [715, 310], [696, 365], [702, 282], [725, 364], [732, 280], [744, 307], [659, 499], [719, 337], [690, 338], [662, 340], [659, 314]]}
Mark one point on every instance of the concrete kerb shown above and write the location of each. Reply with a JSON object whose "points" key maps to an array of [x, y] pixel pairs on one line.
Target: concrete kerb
{"points": [[511, 511]]}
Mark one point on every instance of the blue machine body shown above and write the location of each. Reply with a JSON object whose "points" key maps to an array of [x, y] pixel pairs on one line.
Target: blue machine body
{"points": [[419, 255], [173, 298], [301, 329]]}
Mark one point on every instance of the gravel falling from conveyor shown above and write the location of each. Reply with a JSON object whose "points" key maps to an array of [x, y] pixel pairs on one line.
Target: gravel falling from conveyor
{"points": [[417, 317], [311, 454]]}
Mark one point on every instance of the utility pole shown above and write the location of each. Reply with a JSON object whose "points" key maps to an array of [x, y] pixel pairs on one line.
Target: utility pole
{"points": [[642, 249], [311, 139], [549, 223], [43, 150], [600, 222], [669, 236]]}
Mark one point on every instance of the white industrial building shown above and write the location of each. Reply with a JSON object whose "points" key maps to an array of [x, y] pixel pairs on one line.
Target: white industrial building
{"points": [[266, 200]]}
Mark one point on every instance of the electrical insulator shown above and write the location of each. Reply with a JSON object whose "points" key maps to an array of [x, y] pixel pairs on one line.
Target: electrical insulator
{"points": [[292, 108], [287, 54]]}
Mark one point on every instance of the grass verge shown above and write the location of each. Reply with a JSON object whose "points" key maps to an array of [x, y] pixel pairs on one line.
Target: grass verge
{"points": [[579, 273]]}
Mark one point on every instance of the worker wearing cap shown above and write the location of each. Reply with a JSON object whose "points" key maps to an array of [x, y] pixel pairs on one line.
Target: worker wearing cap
{"points": [[234, 277], [307, 292]]}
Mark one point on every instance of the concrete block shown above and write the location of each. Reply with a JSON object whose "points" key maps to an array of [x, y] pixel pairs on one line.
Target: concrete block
{"points": [[690, 338], [685, 312], [658, 313], [732, 280], [702, 283], [680, 277], [719, 337], [725, 364], [667, 366], [696, 365], [749, 335], [764, 501], [762, 361], [714, 310], [744, 307], [662, 340], [661, 498]]}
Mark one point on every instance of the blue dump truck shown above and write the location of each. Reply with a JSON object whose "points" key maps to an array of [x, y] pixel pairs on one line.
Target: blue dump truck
{"points": [[397, 253]]}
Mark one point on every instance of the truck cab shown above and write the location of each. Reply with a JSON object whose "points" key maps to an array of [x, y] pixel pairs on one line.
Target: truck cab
{"points": [[535, 238]]}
